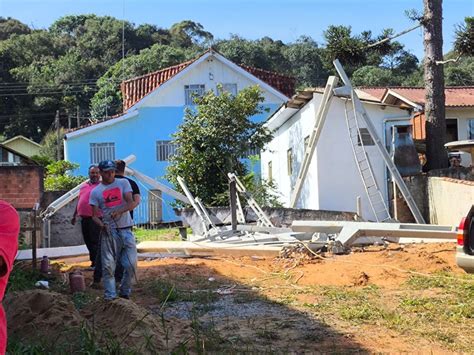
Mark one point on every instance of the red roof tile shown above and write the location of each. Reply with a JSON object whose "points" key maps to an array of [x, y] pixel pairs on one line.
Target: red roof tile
{"points": [[456, 96], [133, 90]]}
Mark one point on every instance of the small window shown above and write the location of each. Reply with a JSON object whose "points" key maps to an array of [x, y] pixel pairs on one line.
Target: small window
{"points": [[366, 138], [289, 161], [192, 91], [270, 171], [230, 88], [164, 150], [451, 129], [306, 142], [470, 134], [102, 151]]}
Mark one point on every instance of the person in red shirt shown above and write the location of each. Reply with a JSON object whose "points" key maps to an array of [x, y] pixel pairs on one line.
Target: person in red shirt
{"points": [[90, 230], [9, 229]]}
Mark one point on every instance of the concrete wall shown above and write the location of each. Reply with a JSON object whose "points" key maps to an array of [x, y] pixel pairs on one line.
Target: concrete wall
{"points": [[22, 186], [280, 217], [333, 181], [63, 233], [449, 199]]}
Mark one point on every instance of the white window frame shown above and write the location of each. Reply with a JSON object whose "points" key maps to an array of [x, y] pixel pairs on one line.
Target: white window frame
{"points": [[231, 88], [192, 90], [101, 151], [164, 150]]}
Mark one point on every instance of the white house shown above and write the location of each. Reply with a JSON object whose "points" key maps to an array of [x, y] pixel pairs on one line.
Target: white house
{"points": [[333, 181]]}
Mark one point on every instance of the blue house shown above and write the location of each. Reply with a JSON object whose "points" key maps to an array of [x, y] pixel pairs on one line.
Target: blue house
{"points": [[154, 107]]}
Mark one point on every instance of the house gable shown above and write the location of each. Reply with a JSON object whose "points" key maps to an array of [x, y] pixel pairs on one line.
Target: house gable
{"points": [[209, 70]]}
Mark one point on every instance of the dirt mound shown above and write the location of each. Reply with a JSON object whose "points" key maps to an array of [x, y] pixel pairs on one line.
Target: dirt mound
{"points": [[128, 323], [41, 313]]}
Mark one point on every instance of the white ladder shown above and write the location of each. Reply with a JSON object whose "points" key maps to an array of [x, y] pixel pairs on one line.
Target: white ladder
{"points": [[376, 200]]}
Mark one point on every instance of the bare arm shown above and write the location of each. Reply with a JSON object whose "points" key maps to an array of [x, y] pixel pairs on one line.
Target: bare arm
{"points": [[128, 206], [73, 220], [136, 200], [95, 218]]}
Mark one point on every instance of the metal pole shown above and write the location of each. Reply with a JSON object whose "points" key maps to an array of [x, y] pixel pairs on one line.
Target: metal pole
{"points": [[233, 203]]}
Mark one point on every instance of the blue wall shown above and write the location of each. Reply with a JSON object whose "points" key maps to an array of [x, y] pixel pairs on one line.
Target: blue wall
{"points": [[138, 136]]}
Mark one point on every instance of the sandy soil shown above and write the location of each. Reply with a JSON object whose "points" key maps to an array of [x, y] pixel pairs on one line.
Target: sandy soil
{"points": [[255, 304]]}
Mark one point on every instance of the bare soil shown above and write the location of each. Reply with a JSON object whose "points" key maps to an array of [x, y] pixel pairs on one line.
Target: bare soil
{"points": [[410, 298]]}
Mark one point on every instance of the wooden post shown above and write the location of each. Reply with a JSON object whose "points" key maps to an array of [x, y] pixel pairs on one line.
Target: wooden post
{"points": [[78, 117], [233, 204], [33, 240], [58, 131], [68, 120]]}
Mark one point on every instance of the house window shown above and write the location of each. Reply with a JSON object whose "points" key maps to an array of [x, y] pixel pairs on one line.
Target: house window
{"points": [[306, 142], [164, 150], [289, 161], [8, 158], [191, 91], [102, 151], [230, 88], [451, 129], [470, 134], [270, 171], [365, 136]]}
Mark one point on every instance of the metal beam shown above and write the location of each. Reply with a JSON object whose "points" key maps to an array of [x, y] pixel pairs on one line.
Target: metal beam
{"points": [[359, 108], [313, 139]]}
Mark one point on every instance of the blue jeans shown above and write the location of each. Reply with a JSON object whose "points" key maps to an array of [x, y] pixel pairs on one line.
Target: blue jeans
{"points": [[118, 246]]}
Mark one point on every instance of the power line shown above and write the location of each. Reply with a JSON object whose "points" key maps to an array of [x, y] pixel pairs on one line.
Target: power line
{"points": [[47, 93]]}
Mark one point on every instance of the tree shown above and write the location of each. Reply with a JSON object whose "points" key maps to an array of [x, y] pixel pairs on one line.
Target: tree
{"points": [[464, 42], [374, 76], [10, 26], [49, 144], [434, 85], [213, 138], [58, 176]]}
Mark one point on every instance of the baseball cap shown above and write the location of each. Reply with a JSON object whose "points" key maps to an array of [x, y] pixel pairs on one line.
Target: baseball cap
{"points": [[106, 165]]}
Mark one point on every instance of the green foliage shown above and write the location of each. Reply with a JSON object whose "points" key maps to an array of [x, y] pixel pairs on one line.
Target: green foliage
{"points": [[42, 160], [213, 138], [49, 145], [374, 76], [464, 42], [10, 26], [57, 177]]}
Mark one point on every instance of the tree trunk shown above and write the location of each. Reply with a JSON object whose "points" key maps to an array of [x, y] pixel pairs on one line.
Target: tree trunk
{"points": [[434, 85]]}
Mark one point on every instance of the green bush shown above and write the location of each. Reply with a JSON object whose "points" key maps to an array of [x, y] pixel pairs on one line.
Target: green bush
{"points": [[58, 176]]}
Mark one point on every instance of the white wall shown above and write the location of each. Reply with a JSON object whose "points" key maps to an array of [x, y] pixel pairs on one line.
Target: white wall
{"points": [[442, 194], [172, 94], [463, 115], [333, 181]]}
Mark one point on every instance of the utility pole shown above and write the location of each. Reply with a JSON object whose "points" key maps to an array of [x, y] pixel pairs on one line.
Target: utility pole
{"points": [[434, 85], [58, 131], [78, 117], [68, 120]]}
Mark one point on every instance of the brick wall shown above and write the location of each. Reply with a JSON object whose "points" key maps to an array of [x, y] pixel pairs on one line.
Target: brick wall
{"points": [[22, 186]]}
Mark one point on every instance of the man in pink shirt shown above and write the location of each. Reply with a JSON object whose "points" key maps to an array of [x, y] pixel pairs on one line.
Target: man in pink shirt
{"points": [[90, 230], [9, 229]]}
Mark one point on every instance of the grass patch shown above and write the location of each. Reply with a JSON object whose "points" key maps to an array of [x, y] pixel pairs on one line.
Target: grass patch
{"points": [[164, 234], [23, 277]]}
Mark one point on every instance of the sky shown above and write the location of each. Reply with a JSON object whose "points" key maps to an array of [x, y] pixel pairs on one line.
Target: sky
{"points": [[252, 19]]}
